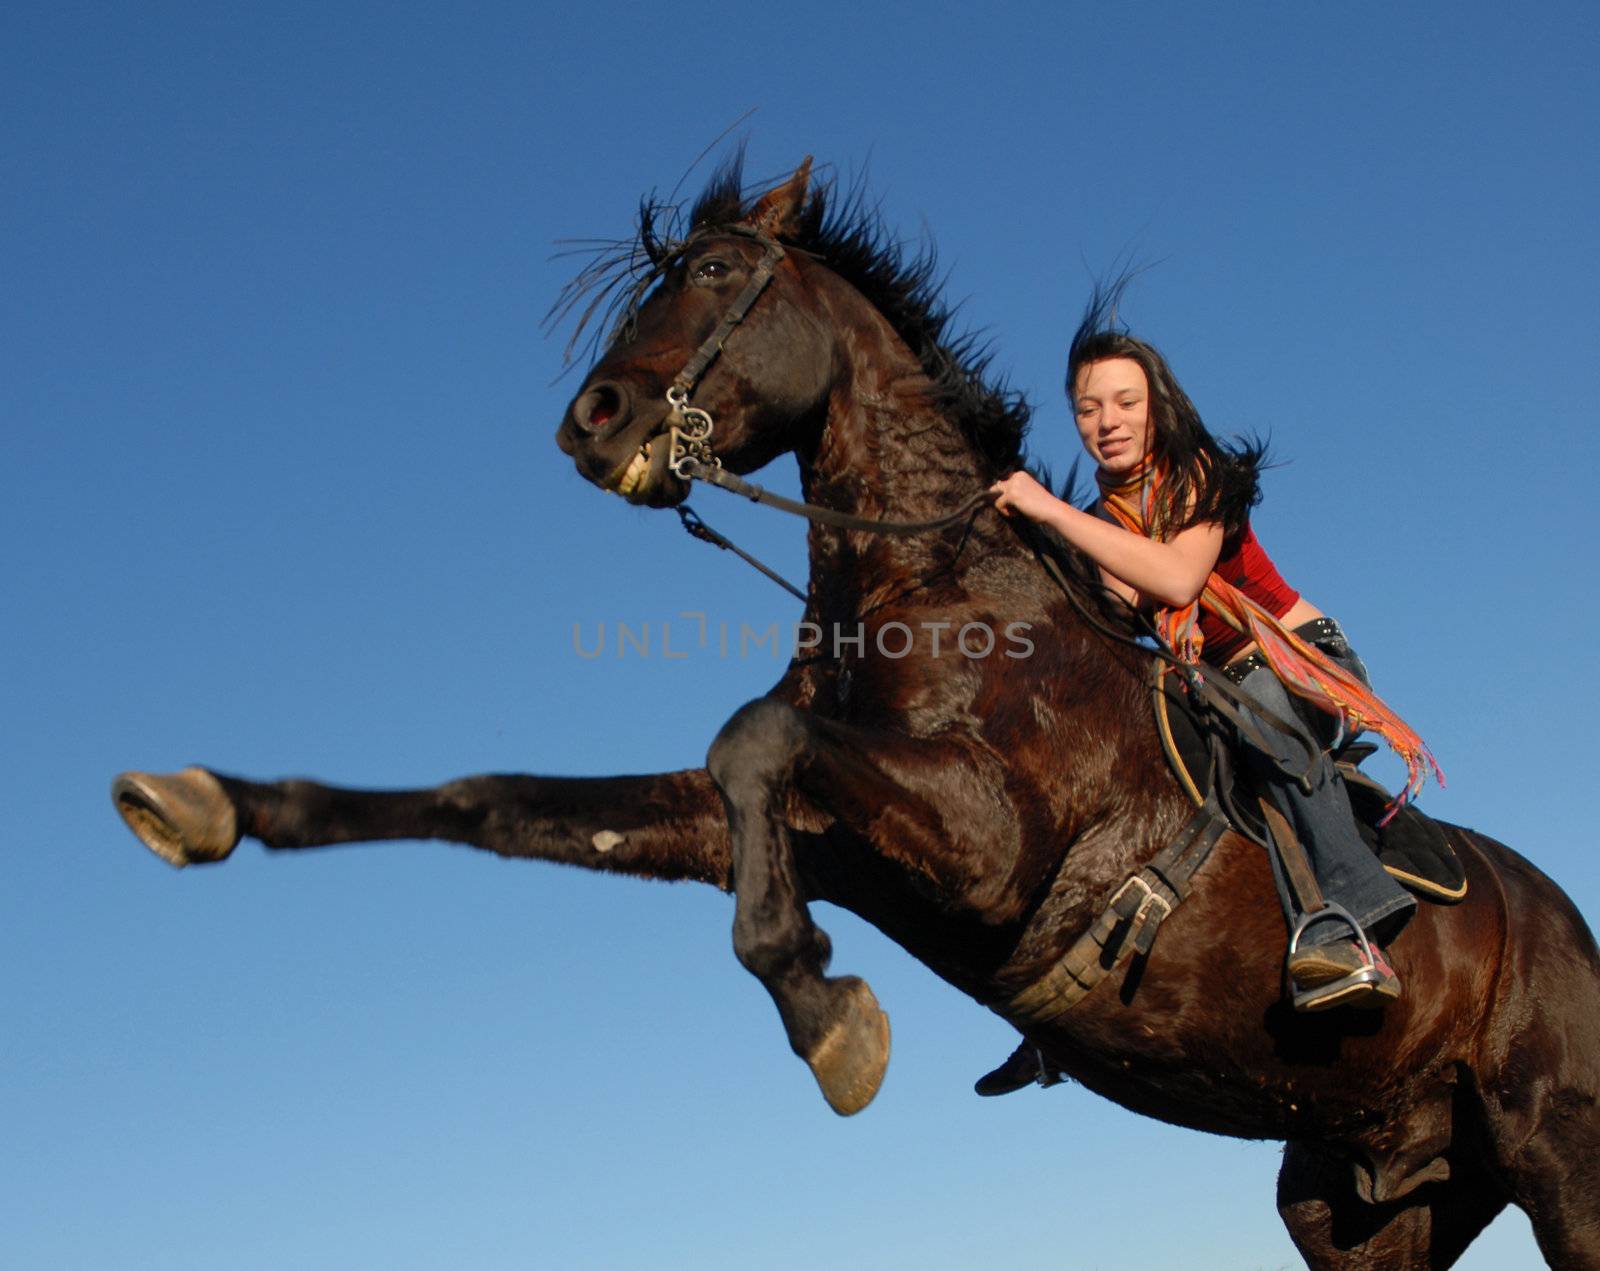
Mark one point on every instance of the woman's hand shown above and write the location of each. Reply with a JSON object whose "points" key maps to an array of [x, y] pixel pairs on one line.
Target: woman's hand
{"points": [[1141, 570], [1021, 492]]}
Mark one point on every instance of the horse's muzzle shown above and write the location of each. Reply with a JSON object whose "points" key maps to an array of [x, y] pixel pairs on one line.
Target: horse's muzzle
{"points": [[619, 450]]}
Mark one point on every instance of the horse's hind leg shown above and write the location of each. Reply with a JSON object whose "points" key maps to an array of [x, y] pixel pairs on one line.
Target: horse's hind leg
{"points": [[1555, 1178], [1541, 1093], [1335, 1230]]}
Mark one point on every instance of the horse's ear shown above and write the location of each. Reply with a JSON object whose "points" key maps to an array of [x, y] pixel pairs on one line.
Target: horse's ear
{"points": [[777, 213]]}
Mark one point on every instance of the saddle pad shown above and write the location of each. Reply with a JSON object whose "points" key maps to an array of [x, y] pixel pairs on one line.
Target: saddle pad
{"points": [[1412, 847]]}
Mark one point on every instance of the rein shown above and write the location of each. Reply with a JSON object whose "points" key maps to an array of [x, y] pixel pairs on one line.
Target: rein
{"points": [[717, 476], [693, 469], [1217, 692]]}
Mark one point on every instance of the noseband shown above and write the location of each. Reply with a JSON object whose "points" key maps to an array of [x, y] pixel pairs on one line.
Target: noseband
{"points": [[689, 428]]}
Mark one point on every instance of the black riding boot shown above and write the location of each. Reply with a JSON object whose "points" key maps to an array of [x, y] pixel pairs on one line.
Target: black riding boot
{"points": [[1026, 1066]]}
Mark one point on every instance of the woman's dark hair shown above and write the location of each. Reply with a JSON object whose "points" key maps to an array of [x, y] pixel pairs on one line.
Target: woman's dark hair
{"points": [[1206, 480]]}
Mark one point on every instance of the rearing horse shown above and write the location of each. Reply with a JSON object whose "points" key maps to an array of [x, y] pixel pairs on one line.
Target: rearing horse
{"points": [[980, 806]]}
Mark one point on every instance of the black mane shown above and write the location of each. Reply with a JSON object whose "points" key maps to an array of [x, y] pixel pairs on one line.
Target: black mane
{"points": [[848, 235]]}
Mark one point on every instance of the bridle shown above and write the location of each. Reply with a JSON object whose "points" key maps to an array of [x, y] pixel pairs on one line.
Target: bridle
{"points": [[689, 428]]}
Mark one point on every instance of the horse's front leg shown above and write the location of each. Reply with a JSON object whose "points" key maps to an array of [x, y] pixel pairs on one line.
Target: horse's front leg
{"points": [[770, 753], [666, 825]]}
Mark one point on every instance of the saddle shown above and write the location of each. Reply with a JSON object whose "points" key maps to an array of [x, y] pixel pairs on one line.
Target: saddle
{"points": [[1411, 847]]}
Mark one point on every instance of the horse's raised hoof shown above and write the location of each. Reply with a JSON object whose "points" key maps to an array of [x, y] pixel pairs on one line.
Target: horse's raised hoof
{"points": [[848, 1062], [185, 818]]}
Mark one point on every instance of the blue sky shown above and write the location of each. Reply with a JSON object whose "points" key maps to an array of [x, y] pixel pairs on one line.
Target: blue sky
{"points": [[279, 495]]}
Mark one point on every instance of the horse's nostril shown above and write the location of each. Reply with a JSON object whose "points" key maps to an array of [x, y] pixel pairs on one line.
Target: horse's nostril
{"points": [[601, 405]]}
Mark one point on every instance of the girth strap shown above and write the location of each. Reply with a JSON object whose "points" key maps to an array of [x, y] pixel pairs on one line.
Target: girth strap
{"points": [[1126, 926]]}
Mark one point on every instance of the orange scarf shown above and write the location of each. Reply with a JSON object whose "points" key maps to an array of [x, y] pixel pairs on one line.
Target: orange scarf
{"points": [[1304, 669]]}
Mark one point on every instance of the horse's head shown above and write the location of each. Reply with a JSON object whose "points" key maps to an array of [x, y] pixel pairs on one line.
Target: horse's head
{"points": [[731, 338]]}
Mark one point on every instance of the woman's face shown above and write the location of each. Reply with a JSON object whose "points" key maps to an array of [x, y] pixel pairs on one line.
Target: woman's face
{"points": [[1111, 399]]}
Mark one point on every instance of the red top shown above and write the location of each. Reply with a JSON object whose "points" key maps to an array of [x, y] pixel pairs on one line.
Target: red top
{"points": [[1250, 569]]}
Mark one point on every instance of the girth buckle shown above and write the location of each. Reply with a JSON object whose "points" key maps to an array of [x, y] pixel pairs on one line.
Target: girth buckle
{"points": [[1151, 910]]}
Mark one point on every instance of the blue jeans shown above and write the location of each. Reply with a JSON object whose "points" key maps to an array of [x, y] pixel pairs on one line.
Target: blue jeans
{"points": [[1346, 868]]}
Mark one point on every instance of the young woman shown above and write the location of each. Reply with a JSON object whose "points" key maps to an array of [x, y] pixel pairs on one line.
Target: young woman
{"points": [[1171, 534]]}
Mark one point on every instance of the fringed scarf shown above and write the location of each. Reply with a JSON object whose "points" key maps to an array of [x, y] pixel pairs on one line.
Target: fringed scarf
{"points": [[1304, 669]]}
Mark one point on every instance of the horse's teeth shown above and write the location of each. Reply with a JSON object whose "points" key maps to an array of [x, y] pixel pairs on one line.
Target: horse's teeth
{"points": [[635, 473]]}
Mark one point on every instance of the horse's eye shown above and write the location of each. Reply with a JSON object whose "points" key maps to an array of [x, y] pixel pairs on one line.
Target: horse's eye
{"points": [[710, 270]]}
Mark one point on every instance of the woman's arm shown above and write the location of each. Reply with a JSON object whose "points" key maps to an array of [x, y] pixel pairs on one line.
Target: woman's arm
{"points": [[1170, 573]]}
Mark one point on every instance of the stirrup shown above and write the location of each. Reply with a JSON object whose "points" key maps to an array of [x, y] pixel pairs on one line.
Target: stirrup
{"points": [[1359, 988], [1354, 989], [1049, 1074]]}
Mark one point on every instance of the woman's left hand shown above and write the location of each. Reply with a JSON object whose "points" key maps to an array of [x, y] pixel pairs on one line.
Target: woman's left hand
{"points": [[1021, 492]]}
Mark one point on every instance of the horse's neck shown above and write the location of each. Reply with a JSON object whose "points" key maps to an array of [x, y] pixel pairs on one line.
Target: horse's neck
{"points": [[887, 453], [890, 450]]}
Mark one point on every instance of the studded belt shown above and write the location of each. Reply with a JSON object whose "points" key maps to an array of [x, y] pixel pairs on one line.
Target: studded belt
{"points": [[1313, 632]]}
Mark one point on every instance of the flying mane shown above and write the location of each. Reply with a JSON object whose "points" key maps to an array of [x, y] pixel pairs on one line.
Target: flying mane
{"points": [[843, 231]]}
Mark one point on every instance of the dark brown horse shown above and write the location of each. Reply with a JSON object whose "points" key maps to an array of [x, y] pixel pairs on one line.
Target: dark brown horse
{"points": [[979, 806]]}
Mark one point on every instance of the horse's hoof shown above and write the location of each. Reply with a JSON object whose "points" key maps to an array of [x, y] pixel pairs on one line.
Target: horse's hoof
{"points": [[185, 818], [848, 1062]]}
